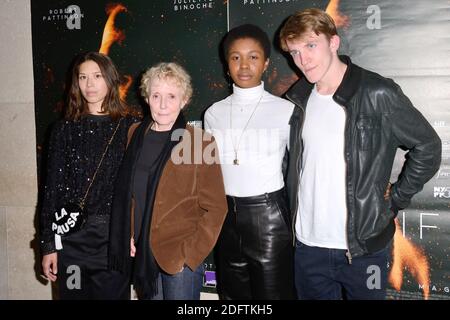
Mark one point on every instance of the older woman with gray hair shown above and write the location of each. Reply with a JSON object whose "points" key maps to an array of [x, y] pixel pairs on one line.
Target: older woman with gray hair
{"points": [[169, 205]]}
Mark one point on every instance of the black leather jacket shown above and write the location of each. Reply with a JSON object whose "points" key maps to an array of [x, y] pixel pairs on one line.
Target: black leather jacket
{"points": [[379, 119]]}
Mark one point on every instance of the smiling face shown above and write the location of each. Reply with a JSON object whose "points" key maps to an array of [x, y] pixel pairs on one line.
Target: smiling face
{"points": [[166, 99], [314, 55], [246, 62], [92, 85]]}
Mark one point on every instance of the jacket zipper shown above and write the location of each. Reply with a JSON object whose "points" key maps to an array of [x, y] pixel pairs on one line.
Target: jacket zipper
{"points": [[297, 167], [347, 254]]}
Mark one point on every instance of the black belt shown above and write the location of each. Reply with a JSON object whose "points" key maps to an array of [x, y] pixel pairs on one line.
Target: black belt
{"points": [[262, 198]]}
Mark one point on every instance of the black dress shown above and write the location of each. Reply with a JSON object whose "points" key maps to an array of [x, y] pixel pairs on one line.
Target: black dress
{"points": [[75, 150]]}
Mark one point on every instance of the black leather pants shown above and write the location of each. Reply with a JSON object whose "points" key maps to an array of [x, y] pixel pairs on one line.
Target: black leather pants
{"points": [[255, 251]]}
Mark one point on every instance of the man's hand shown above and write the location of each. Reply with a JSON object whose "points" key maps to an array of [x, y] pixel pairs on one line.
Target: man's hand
{"points": [[387, 193]]}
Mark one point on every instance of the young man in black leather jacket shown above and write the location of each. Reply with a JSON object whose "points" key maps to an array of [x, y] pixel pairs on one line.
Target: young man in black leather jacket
{"points": [[345, 131]]}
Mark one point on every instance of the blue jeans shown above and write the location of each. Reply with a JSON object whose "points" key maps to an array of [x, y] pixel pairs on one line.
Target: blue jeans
{"points": [[325, 274], [185, 285]]}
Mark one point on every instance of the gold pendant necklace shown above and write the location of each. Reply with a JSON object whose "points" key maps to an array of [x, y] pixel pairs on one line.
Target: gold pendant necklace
{"points": [[236, 148]]}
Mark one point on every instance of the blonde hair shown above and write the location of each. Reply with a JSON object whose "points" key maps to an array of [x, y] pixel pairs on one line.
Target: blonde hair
{"points": [[304, 21], [164, 71]]}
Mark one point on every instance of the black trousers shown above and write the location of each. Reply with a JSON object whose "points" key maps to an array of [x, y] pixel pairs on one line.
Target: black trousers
{"points": [[83, 265], [255, 251]]}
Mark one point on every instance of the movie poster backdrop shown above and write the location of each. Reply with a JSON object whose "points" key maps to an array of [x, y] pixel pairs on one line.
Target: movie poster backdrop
{"points": [[403, 40]]}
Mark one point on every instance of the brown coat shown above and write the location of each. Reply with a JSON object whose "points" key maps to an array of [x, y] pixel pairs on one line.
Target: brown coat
{"points": [[190, 204]]}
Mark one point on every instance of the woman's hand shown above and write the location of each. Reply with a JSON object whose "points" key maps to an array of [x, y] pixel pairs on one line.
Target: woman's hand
{"points": [[50, 266], [132, 248]]}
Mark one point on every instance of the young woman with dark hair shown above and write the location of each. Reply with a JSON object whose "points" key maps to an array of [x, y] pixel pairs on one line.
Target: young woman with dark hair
{"points": [[84, 155]]}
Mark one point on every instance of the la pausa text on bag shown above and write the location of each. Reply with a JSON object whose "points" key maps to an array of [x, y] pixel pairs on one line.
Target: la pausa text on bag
{"points": [[66, 222]]}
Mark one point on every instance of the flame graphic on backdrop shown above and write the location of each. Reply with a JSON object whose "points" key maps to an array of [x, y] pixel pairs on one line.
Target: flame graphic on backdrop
{"points": [[279, 85], [123, 90], [406, 255], [340, 19], [112, 35]]}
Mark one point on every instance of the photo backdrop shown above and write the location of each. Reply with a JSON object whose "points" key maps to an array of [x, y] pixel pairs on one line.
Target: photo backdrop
{"points": [[404, 40]]}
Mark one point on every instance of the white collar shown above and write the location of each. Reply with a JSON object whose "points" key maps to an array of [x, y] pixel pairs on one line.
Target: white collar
{"points": [[243, 95]]}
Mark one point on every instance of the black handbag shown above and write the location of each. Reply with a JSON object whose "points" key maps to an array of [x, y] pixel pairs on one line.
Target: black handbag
{"points": [[68, 219], [72, 217]]}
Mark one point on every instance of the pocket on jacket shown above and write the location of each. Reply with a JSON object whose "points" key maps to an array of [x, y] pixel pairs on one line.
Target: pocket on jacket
{"points": [[368, 132]]}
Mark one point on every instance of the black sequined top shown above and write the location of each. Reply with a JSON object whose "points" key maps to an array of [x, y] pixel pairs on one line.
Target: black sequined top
{"points": [[75, 150]]}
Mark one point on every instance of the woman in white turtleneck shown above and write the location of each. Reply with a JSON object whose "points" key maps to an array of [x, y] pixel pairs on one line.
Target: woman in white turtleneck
{"points": [[251, 128]]}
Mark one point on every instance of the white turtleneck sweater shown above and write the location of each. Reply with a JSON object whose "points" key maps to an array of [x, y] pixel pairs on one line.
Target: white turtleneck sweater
{"points": [[262, 144]]}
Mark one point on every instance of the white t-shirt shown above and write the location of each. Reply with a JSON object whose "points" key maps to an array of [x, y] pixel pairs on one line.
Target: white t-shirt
{"points": [[259, 148], [322, 211]]}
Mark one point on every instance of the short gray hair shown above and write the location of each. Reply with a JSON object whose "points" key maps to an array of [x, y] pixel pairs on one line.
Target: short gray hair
{"points": [[167, 70]]}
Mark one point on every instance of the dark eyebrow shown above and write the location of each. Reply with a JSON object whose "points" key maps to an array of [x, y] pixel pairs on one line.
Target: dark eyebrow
{"points": [[86, 73]]}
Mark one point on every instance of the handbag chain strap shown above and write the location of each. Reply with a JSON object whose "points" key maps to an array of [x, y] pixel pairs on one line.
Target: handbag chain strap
{"points": [[82, 203]]}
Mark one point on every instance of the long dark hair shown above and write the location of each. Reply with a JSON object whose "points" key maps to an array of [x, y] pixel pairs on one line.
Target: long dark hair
{"points": [[113, 105]]}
